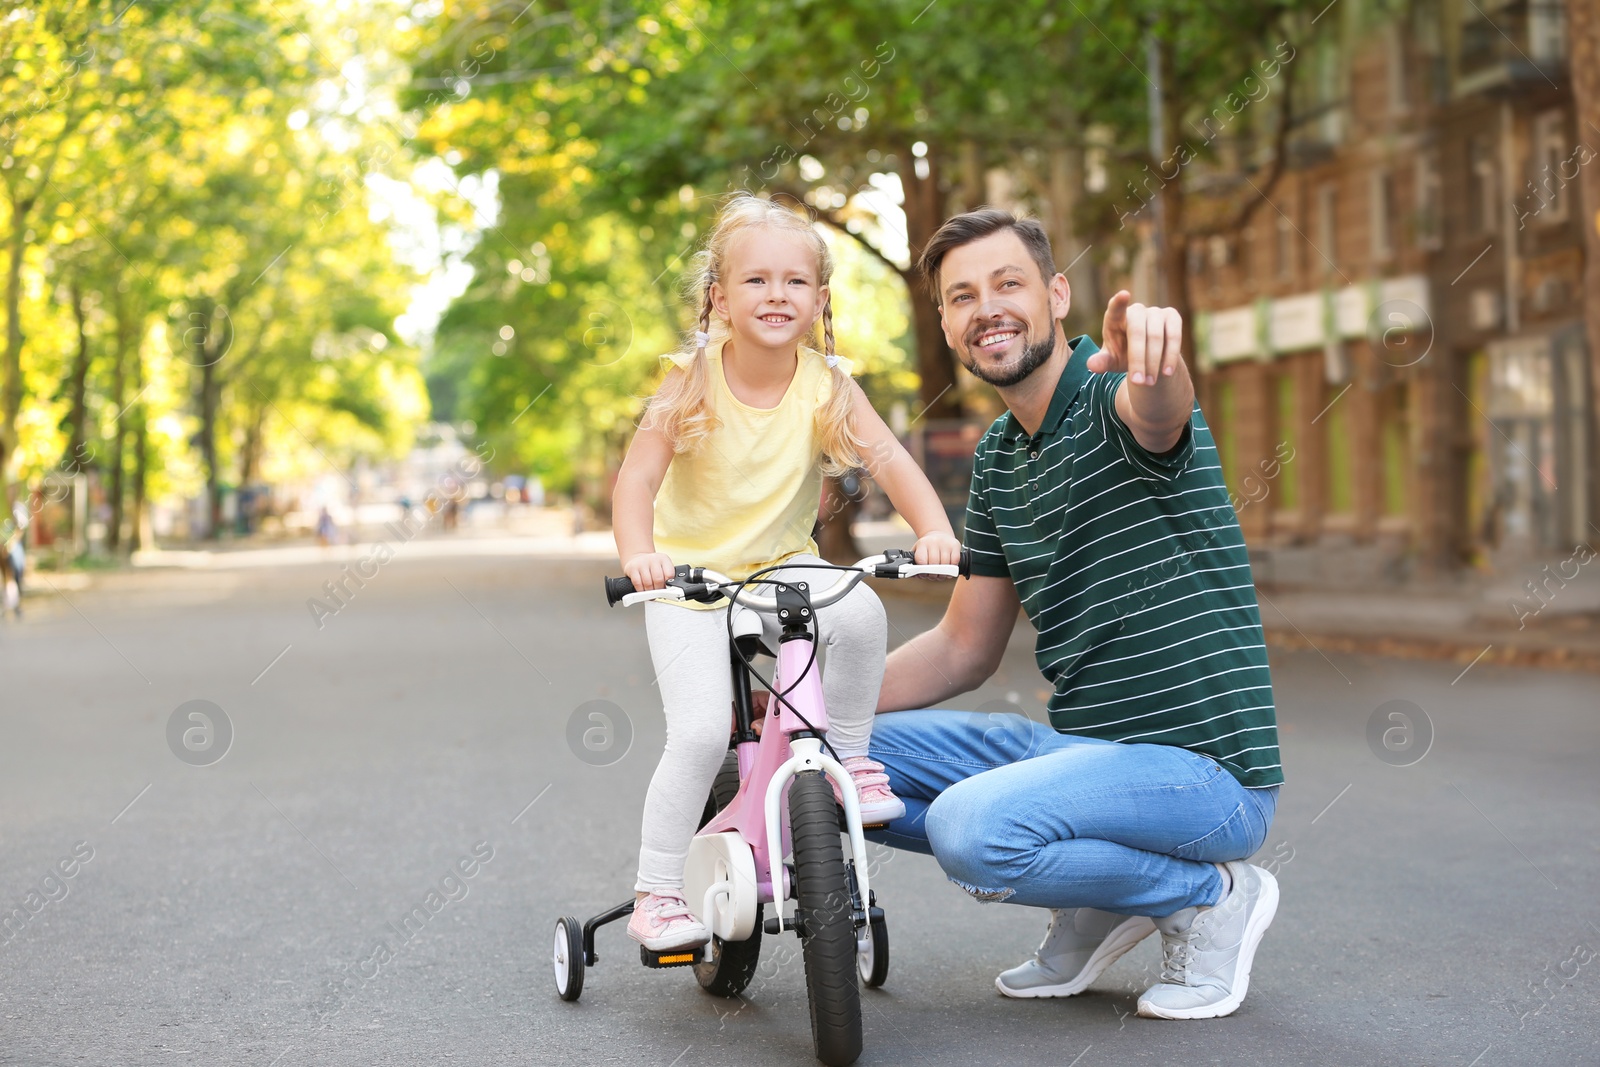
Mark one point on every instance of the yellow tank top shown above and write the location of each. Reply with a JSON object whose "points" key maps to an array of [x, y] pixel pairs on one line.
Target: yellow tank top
{"points": [[748, 498]]}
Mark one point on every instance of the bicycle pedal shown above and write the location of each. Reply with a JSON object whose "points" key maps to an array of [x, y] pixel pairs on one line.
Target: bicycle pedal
{"points": [[675, 957]]}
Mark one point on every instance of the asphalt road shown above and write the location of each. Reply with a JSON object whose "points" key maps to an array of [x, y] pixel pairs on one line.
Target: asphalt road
{"points": [[273, 907]]}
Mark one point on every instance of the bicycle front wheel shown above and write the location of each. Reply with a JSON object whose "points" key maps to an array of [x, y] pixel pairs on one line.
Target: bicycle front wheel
{"points": [[823, 909]]}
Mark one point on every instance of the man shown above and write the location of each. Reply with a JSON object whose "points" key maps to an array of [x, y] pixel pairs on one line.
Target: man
{"points": [[1098, 506]]}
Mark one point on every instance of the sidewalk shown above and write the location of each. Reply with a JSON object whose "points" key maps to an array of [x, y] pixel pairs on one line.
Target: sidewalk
{"points": [[1468, 627]]}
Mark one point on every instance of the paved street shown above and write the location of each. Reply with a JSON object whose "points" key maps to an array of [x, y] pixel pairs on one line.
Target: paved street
{"points": [[304, 899]]}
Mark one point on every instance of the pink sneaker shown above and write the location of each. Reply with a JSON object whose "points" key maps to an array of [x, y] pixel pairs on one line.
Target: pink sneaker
{"points": [[663, 921], [878, 802]]}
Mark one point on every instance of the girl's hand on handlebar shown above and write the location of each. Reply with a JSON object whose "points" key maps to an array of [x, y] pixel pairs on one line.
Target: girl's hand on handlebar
{"points": [[935, 549], [648, 570]]}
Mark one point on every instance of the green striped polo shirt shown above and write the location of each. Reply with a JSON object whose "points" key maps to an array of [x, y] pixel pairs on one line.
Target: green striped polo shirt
{"points": [[1132, 567]]}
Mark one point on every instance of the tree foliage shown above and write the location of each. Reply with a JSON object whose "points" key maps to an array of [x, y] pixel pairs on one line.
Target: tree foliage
{"points": [[194, 283], [882, 118]]}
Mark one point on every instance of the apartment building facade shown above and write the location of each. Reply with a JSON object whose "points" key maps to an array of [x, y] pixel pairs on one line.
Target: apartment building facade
{"points": [[1393, 345]]}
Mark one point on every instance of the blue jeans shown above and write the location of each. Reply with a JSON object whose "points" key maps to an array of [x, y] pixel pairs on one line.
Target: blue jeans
{"points": [[1015, 811]]}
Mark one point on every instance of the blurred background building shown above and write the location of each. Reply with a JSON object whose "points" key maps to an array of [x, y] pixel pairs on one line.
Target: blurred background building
{"points": [[453, 229], [1483, 450]]}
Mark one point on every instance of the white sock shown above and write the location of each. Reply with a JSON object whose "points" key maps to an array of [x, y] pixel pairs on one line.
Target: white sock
{"points": [[1227, 882]]}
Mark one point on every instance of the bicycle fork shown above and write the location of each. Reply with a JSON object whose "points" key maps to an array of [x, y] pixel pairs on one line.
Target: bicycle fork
{"points": [[807, 755]]}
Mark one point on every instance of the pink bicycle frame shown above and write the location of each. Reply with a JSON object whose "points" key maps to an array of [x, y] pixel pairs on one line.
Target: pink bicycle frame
{"points": [[756, 815], [760, 761]]}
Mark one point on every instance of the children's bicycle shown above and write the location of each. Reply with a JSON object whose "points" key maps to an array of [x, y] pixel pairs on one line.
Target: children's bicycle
{"points": [[773, 799]]}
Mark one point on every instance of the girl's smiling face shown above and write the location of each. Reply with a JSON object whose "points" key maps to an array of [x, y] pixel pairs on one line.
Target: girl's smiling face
{"points": [[768, 291]]}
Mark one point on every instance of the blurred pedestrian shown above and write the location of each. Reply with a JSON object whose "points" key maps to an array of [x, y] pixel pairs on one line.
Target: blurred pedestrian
{"points": [[13, 559], [327, 532]]}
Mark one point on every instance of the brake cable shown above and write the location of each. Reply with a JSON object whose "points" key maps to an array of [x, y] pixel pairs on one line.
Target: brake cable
{"points": [[755, 578]]}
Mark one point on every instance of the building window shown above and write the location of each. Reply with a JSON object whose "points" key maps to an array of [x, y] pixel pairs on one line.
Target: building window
{"points": [[1547, 36], [1396, 449], [1218, 255], [1399, 91], [1546, 195], [1328, 226], [1341, 465], [1328, 95], [1429, 200], [1285, 246], [1482, 183], [1382, 215], [1217, 251], [1428, 41], [1288, 423]]}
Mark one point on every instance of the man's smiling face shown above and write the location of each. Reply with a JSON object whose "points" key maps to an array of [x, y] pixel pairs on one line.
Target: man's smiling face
{"points": [[998, 311]]}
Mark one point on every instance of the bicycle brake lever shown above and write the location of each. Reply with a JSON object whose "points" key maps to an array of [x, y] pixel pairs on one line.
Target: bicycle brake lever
{"points": [[943, 570], [670, 593], [893, 560]]}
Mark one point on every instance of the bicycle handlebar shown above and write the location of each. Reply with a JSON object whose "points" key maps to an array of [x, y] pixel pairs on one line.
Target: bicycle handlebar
{"points": [[696, 583]]}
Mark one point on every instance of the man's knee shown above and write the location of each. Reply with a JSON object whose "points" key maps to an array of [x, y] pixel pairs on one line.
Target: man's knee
{"points": [[978, 844]]}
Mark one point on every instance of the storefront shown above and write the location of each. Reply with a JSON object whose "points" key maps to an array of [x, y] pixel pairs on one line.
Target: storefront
{"points": [[1314, 403], [1540, 458]]}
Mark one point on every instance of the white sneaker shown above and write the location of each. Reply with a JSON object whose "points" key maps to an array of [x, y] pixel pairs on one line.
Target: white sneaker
{"points": [[1080, 944], [1206, 953]]}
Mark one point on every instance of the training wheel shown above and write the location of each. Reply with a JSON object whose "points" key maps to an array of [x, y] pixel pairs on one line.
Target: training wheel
{"points": [[872, 952], [568, 957]]}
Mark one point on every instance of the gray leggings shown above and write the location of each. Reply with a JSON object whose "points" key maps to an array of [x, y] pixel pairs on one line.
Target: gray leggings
{"points": [[689, 650]]}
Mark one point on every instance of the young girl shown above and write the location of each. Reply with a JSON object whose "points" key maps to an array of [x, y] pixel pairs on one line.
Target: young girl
{"points": [[726, 472]]}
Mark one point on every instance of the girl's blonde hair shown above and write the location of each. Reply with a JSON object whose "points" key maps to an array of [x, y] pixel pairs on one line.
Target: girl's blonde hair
{"points": [[681, 409]]}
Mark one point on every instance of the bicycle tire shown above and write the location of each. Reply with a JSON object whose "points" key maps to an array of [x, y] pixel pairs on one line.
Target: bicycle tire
{"points": [[873, 966], [823, 908], [732, 964], [723, 788]]}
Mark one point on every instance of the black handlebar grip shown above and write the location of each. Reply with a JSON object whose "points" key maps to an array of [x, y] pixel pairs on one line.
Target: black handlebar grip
{"points": [[617, 588], [964, 568]]}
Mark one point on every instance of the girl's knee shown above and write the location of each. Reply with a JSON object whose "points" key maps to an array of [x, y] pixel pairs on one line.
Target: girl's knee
{"points": [[702, 741], [859, 617]]}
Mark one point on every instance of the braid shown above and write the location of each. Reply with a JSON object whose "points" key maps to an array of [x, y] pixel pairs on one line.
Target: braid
{"points": [[705, 318], [842, 448]]}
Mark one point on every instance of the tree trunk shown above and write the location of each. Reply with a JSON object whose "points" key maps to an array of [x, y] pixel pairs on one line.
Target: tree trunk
{"points": [[78, 386], [204, 349], [835, 541], [1174, 271], [1065, 180], [136, 526], [1583, 42], [1172, 265], [250, 454], [11, 400], [973, 192], [119, 435], [924, 212]]}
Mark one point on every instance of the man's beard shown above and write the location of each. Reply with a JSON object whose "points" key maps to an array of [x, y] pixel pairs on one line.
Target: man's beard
{"points": [[1034, 356]]}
